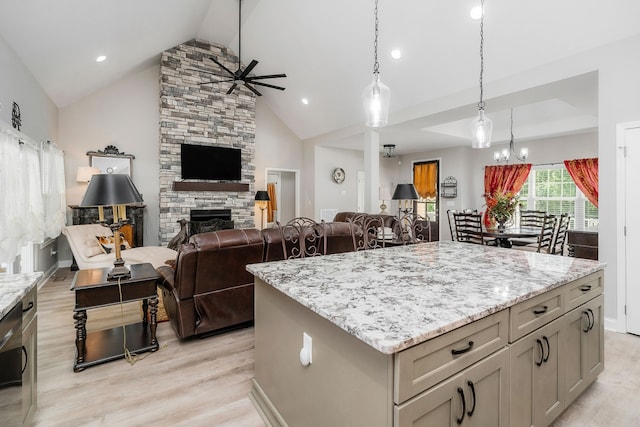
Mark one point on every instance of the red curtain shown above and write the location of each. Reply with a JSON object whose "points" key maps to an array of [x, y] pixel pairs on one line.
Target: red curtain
{"points": [[585, 174], [503, 179]]}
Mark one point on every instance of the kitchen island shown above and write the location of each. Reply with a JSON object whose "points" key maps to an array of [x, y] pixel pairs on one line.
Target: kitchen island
{"points": [[427, 332]]}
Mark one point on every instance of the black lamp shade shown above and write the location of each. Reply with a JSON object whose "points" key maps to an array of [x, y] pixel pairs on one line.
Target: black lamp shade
{"points": [[111, 189], [262, 196], [405, 192]]}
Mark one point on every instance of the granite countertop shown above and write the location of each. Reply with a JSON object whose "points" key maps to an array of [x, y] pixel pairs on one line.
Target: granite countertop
{"points": [[395, 298], [13, 287]]}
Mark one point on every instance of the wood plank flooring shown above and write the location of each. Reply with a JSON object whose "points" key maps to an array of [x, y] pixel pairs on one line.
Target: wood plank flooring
{"points": [[205, 382]]}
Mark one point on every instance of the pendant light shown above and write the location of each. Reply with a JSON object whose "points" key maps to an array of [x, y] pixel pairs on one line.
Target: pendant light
{"points": [[376, 96], [482, 126]]}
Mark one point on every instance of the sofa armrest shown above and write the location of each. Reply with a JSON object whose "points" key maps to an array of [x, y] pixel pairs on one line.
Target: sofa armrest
{"points": [[167, 275]]}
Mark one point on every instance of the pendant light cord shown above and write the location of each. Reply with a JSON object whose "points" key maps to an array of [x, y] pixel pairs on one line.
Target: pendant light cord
{"points": [[481, 103], [239, 34], [376, 66]]}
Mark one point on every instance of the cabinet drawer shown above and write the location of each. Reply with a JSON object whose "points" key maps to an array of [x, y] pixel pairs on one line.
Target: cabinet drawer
{"points": [[29, 305], [532, 314], [582, 290], [424, 365]]}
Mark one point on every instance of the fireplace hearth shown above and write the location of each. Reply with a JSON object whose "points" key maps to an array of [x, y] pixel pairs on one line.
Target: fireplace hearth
{"points": [[206, 220]]}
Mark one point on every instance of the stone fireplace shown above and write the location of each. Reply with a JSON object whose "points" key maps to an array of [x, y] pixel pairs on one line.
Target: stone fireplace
{"points": [[206, 115]]}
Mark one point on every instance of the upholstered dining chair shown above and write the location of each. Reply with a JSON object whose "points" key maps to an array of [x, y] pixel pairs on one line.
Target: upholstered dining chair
{"points": [[303, 237], [560, 234], [468, 227]]}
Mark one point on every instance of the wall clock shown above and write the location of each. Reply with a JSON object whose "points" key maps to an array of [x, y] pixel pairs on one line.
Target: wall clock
{"points": [[338, 175]]}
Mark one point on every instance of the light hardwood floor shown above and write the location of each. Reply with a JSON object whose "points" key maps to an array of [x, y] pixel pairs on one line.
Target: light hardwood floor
{"points": [[205, 382]]}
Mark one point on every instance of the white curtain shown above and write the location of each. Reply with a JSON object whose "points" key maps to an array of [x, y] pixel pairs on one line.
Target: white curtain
{"points": [[53, 190], [24, 194]]}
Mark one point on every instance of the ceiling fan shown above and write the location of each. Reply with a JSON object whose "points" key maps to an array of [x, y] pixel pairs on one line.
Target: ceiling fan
{"points": [[240, 76]]}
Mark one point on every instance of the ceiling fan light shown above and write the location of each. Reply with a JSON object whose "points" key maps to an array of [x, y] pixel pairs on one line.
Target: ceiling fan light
{"points": [[376, 98], [481, 129]]}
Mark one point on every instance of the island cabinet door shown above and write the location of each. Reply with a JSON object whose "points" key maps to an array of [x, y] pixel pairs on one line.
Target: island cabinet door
{"points": [[584, 347], [537, 376], [478, 396]]}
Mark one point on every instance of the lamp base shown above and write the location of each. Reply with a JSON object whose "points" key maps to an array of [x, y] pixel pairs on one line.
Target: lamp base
{"points": [[118, 271]]}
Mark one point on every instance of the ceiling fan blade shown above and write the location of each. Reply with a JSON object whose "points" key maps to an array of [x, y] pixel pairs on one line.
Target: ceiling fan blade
{"points": [[247, 70], [222, 66], [217, 81], [267, 85], [233, 86], [252, 89], [269, 76]]}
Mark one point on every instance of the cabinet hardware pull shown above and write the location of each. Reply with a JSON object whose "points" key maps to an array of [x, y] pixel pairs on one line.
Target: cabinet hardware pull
{"points": [[473, 394], [464, 405], [541, 352], [586, 328], [29, 307], [26, 359], [464, 350], [593, 319], [585, 288], [542, 310], [546, 340]]}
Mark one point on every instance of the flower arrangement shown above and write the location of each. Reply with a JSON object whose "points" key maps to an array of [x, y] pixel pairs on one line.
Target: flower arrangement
{"points": [[502, 206]]}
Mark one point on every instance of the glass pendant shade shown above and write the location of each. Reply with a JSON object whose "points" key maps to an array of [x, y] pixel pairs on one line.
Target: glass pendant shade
{"points": [[376, 102], [481, 129]]}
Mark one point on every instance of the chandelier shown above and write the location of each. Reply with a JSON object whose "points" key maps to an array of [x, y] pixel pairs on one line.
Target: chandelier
{"points": [[505, 154]]}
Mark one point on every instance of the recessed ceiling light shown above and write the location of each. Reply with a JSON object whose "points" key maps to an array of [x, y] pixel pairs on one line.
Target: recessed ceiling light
{"points": [[476, 12], [305, 101], [396, 54], [101, 58]]}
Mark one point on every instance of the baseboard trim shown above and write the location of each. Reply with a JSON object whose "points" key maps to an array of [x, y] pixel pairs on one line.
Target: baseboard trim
{"points": [[265, 408], [65, 263], [612, 325]]}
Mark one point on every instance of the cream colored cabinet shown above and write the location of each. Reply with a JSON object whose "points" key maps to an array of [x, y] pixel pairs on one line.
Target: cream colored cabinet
{"points": [[537, 376], [29, 354], [477, 396], [584, 347]]}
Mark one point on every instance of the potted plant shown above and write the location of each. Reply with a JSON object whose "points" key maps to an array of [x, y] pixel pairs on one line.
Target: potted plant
{"points": [[501, 207]]}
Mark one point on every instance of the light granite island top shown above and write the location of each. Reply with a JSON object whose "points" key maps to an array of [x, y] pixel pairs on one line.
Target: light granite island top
{"points": [[395, 298], [13, 287]]}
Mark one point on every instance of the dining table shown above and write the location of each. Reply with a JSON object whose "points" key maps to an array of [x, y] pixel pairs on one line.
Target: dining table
{"points": [[503, 236]]}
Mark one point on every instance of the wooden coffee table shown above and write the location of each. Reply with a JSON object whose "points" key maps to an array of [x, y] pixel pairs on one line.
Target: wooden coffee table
{"points": [[92, 290]]}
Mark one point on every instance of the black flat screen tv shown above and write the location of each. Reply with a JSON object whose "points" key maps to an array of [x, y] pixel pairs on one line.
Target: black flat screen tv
{"points": [[211, 163]]}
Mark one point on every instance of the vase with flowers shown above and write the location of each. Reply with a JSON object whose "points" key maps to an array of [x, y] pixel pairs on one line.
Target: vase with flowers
{"points": [[501, 207]]}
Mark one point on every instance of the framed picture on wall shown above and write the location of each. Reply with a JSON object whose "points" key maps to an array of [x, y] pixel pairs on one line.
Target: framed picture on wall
{"points": [[110, 160]]}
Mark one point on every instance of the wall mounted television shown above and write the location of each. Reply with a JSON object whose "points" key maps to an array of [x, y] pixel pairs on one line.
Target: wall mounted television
{"points": [[211, 163]]}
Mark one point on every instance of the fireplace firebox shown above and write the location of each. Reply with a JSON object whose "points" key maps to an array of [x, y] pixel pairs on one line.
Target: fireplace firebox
{"points": [[206, 220]]}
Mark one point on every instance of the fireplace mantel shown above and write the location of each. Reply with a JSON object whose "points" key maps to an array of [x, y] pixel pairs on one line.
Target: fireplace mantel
{"points": [[209, 186]]}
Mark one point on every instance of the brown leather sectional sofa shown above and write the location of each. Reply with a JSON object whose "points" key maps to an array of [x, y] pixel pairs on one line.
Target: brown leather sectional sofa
{"points": [[210, 289]]}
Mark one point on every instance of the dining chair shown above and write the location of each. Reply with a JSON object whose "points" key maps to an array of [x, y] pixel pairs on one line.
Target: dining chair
{"points": [[413, 228], [532, 218], [303, 237], [560, 235], [469, 227], [452, 227], [368, 232], [545, 239]]}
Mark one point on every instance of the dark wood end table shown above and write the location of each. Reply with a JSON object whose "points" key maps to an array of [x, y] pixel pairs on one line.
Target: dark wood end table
{"points": [[92, 290]]}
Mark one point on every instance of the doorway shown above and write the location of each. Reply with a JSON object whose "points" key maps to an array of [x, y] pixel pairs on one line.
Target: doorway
{"points": [[286, 185], [426, 176], [629, 296]]}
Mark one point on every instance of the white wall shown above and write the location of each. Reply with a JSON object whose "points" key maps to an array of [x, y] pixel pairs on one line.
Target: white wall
{"points": [[39, 113], [124, 114], [329, 194]]}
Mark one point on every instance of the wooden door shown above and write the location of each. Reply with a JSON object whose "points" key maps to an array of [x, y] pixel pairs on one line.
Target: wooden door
{"points": [[632, 224]]}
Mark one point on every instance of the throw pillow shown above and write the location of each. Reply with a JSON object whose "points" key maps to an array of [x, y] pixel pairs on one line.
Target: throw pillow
{"points": [[107, 243]]}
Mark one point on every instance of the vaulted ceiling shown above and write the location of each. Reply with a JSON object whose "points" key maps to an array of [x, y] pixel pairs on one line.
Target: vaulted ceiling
{"points": [[326, 49]]}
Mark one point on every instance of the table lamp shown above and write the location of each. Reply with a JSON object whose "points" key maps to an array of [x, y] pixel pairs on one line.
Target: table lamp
{"points": [[404, 192], [116, 190], [262, 200]]}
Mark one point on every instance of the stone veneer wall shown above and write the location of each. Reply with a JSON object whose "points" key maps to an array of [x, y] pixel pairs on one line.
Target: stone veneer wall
{"points": [[206, 115]]}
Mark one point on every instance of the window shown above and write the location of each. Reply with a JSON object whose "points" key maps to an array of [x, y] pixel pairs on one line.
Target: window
{"points": [[552, 190]]}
